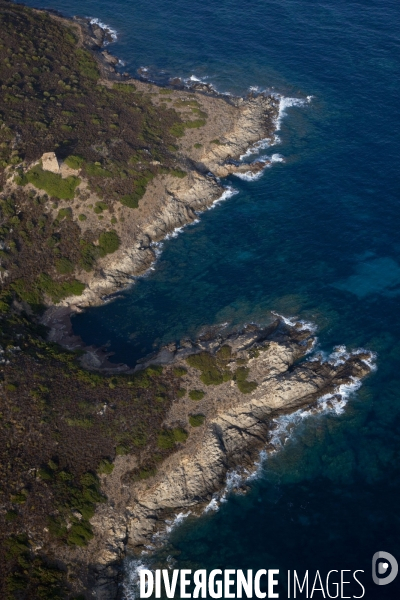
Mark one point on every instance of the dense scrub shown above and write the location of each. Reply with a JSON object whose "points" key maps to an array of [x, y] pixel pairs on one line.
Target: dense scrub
{"points": [[213, 368], [40, 252], [61, 428], [53, 101]]}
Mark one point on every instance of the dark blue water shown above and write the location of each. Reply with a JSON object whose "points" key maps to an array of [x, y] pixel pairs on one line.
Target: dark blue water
{"points": [[317, 237]]}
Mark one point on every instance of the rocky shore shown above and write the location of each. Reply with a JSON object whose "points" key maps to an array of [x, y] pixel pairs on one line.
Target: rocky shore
{"points": [[235, 426], [231, 126]]}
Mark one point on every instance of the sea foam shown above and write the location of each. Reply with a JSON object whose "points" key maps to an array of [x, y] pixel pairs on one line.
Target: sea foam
{"points": [[106, 28]]}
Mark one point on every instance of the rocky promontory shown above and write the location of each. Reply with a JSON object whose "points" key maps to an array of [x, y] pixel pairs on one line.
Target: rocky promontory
{"points": [[236, 386]]}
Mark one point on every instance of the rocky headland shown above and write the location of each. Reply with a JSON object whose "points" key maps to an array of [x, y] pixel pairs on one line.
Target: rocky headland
{"points": [[252, 377]]}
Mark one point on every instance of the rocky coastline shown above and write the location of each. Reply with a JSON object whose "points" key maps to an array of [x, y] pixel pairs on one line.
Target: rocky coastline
{"points": [[221, 393], [233, 126], [235, 427]]}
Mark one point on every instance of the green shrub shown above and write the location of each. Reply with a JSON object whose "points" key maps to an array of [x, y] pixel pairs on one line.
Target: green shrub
{"points": [[197, 145], [246, 387], [224, 353], [181, 393], [132, 200], [195, 124], [56, 290], [177, 173], [74, 161], [196, 420], [146, 473], [178, 129], [179, 371], [21, 179], [11, 516], [168, 437], [82, 422], [241, 373], [82, 217], [207, 364], [52, 183], [96, 170], [105, 467], [128, 88], [99, 207], [64, 266], [89, 254], [57, 527], [63, 213], [196, 395], [20, 498], [180, 435], [11, 387], [80, 534], [108, 242], [87, 64]]}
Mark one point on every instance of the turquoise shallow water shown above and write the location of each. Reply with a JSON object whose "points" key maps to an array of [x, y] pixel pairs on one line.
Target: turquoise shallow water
{"points": [[316, 236]]}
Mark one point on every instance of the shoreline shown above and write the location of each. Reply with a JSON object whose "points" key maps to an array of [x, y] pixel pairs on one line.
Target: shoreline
{"points": [[168, 206], [224, 453], [212, 423]]}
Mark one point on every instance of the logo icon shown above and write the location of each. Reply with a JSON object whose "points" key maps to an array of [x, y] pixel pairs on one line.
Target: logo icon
{"points": [[384, 563]]}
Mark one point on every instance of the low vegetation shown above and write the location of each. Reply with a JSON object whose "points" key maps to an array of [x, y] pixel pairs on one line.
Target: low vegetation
{"points": [[197, 420], [196, 395], [240, 376], [213, 368], [51, 183], [61, 427]]}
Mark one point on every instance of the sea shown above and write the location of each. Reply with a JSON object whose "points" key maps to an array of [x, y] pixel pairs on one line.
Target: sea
{"points": [[317, 237]]}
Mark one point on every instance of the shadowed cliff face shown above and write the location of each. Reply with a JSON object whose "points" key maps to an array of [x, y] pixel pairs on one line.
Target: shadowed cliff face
{"points": [[237, 385]]}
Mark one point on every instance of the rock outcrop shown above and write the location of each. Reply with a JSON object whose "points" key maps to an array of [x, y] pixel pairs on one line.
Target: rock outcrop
{"points": [[236, 427]]}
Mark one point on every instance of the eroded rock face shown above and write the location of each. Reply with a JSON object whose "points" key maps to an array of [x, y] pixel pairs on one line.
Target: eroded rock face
{"points": [[236, 427]]}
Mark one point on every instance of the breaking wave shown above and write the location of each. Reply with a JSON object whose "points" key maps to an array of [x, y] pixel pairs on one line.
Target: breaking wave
{"points": [[106, 28]]}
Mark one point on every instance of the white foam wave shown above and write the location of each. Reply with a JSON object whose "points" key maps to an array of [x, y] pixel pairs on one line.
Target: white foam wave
{"points": [[229, 191], [340, 355], [256, 148], [284, 104], [269, 161], [298, 323], [212, 506], [132, 570], [196, 79], [249, 175], [177, 520], [106, 28], [333, 402]]}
